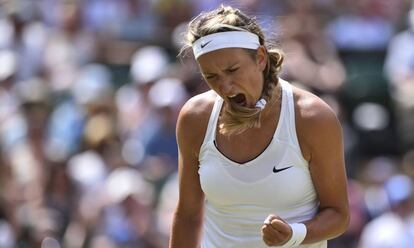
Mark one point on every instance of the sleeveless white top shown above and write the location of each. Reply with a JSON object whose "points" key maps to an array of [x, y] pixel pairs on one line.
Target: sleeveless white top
{"points": [[240, 196]]}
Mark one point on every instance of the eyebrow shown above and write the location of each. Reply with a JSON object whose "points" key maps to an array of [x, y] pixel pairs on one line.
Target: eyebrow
{"points": [[228, 67]]}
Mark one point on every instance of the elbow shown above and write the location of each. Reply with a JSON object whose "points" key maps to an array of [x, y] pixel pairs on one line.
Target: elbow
{"points": [[344, 222], [340, 222], [193, 217]]}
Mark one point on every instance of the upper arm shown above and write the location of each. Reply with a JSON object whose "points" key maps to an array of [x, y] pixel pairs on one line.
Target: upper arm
{"points": [[322, 138], [191, 126]]}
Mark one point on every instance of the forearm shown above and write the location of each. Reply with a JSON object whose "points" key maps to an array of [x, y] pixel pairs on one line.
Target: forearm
{"points": [[327, 224], [186, 232]]}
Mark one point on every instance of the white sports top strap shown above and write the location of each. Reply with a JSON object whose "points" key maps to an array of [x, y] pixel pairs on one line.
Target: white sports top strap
{"points": [[290, 115], [212, 123]]}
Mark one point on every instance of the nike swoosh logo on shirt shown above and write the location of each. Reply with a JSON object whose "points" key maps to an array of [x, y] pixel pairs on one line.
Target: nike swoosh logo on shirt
{"points": [[205, 44], [281, 169]]}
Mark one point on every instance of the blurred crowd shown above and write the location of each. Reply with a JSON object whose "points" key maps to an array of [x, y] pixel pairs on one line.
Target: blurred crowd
{"points": [[90, 91]]}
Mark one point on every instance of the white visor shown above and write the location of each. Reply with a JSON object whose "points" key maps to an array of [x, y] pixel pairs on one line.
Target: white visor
{"points": [[211, 42]]}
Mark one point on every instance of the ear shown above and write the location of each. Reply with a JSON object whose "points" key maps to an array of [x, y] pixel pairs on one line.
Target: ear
{"points": [[261, 57]]}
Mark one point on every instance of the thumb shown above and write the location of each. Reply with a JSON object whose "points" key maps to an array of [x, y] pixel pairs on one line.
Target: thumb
{"points": [[281, 226], [269, 219]]}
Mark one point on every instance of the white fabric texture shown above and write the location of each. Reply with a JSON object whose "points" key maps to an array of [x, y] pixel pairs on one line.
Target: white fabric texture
{"points": [[212, 42], [239, 197]]}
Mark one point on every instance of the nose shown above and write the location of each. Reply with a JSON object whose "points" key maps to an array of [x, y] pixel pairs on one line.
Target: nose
{"points": [[226, 86]]}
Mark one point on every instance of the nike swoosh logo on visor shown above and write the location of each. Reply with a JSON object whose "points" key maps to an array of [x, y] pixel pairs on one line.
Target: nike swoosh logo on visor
{"points": [[205, 44]]}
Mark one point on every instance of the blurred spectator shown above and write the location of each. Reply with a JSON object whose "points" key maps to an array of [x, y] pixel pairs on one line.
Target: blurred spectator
{"points": [[408, 163], [167, 95], [361, 27], [399, 67], [394, 228], [167, 203], [127, 216], [68, 47], [119, 19], [311, 59], [90, 92]]}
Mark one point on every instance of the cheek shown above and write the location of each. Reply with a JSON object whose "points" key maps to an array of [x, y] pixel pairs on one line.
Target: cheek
{"points": [[213, 85], [256, 85], [253, 79]]}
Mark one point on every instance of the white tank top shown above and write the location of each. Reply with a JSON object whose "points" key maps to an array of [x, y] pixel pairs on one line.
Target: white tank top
{"points": [[240, 196]]}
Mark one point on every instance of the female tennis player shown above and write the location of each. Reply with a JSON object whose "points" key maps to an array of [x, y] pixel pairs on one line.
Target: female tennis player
{"points": [[260, 161]]}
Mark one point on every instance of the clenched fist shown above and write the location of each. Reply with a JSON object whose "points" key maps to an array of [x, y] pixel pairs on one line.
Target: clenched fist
{"points": [[276, 231]]}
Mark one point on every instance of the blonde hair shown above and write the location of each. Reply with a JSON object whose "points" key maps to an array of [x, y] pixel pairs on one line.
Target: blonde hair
{"points": [[237, 119]]}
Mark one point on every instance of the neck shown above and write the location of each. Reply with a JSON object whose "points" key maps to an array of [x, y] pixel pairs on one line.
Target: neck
{"points": [[274, 103]]}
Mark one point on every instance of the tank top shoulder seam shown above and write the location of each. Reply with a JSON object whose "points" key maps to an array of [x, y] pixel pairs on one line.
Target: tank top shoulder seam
{"points": [[292, 116], [212, 122]]}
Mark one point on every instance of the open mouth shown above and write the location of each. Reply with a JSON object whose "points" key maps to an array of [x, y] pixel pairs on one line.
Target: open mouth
{"points": [[238, 99]]}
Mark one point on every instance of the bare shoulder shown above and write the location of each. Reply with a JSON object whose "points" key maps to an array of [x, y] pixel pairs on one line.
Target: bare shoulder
{"points": [[199, 105], [193, 119], [310, 108], [315, 121]]}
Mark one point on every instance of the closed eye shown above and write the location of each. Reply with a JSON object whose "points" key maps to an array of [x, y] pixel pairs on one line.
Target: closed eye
{"points": [[233, 69], [209, 77]]}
